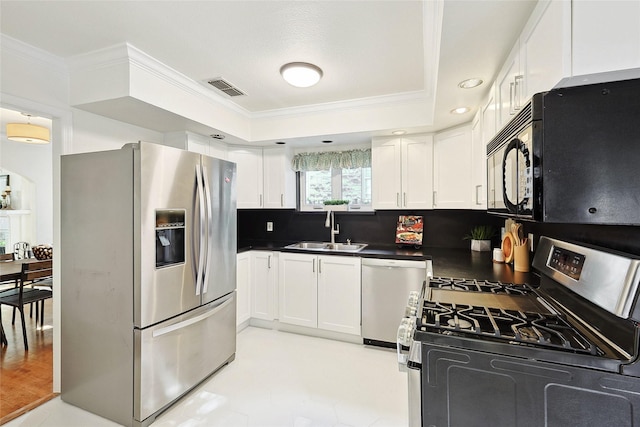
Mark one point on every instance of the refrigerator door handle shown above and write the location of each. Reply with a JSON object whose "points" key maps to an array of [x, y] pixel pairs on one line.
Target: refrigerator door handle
{"points": [[207, 245], [201, 252], [185, 323]]}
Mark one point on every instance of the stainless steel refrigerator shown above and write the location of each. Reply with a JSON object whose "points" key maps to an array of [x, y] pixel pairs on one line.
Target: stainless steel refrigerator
{"points": [[148, 256]]}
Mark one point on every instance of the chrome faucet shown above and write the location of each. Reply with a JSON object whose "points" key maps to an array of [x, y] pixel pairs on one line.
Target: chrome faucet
{"points": [[329, 223]]}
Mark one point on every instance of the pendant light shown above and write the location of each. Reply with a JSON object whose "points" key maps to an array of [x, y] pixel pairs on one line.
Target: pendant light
{"points": [[27, 132]]}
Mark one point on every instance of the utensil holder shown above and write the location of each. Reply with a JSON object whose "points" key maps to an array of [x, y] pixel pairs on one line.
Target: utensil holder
{"points": [[521, 258]]}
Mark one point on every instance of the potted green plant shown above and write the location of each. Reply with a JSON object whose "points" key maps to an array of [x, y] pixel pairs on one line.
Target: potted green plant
{"points": [[336, 205], [480, 237]]}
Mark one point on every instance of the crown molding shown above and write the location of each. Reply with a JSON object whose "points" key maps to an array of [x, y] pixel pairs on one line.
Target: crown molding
{"points": [[27, 52]]}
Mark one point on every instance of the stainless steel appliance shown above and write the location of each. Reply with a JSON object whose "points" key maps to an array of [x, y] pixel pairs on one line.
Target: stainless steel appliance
{"points": [[148, 265], [564, 353], [569, 156], [385, 286]]}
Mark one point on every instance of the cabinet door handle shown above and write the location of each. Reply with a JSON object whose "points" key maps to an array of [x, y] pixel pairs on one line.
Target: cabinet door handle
{"points": [[398, 200], [313, 269], [269, 262], [404, 195], [281, 200], [478, 194], [260, 201], [319, 266], [512, 110], [517, 92], [435, 198]]}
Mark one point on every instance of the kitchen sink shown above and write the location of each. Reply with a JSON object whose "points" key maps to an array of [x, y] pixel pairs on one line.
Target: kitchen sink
{"points": [[327, 247]]}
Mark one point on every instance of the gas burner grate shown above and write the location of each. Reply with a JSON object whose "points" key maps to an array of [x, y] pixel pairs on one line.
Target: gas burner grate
{"points": [[515, 327], [472, 285]]}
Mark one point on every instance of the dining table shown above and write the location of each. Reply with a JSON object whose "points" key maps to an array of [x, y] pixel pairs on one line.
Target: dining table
{"points": [[11, 270]]}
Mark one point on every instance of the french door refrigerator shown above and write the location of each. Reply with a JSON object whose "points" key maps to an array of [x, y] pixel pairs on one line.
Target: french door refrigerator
{"points": [[148, 273]]}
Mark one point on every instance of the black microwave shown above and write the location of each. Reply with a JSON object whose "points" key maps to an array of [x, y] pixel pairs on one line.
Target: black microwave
{"points": [[570, 155]]}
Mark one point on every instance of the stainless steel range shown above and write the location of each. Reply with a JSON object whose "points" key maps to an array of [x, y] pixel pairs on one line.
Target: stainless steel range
{"points": [[559, 353]]}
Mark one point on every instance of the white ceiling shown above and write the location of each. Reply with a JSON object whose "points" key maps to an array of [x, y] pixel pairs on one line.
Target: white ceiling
{"points": [[367, 49]]}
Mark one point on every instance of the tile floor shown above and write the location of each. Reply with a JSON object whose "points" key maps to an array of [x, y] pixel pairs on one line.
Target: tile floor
{"points": [[277, 379]]}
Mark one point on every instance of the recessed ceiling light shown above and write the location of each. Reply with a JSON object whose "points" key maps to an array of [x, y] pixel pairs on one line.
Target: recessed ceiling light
{"points": [[301, 74], [280, 142], [399, 132], [217, 136], [327, 141], [460, 110], [470, 83]]}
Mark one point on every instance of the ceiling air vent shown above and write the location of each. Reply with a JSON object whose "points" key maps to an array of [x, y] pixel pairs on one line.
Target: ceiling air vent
{"points": [[225, 87]]}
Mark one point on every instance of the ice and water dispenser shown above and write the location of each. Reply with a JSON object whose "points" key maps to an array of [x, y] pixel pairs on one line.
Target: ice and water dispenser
{"points": [[170, 230]]}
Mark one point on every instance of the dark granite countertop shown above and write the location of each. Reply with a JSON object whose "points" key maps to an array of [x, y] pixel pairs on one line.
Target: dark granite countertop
{"points": [[450, 263]]}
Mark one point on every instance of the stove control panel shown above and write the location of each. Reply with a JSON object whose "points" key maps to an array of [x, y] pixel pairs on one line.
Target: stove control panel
{"points": [[567, 262]]}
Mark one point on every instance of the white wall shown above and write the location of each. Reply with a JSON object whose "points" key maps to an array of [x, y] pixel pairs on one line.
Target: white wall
{"points": [[96, 133], [35, 81]]}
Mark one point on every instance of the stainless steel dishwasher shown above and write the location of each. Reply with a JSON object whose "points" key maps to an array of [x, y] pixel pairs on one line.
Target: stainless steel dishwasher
{"points": [[386, 284]]}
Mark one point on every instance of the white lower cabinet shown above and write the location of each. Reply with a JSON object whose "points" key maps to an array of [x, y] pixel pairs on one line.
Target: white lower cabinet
{"points": [[264, 285], [243, 287], [320, 292]]}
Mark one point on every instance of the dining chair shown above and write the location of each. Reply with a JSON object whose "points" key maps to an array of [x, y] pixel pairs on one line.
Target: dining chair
{"points": [[32, 273], [22, 250]]}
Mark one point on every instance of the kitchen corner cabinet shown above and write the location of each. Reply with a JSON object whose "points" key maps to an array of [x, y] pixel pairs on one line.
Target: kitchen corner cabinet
{"points": [[249, 176], [243, 287], [478, 165], [264, 284], [401, 171], [320, 292], [452, 185], [265, 178]]}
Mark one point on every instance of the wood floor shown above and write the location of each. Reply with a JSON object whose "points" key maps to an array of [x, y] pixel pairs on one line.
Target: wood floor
{"points": [[26, 378]]}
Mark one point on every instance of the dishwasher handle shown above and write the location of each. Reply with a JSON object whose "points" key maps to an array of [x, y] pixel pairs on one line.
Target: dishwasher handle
{"points": [[394, 263]]}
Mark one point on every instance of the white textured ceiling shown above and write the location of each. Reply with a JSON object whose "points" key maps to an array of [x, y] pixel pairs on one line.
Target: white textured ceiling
{"points": [[367, 49]]}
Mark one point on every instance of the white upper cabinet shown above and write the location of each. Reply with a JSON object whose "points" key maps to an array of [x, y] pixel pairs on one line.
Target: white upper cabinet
{"points": [[401, 170], [478, 165], [265, 178], [452, 185], [489, 119], [545, 55], [566, 39], [508, 87], [249, 176], [605, 36], [279, 179], [539, 59]]}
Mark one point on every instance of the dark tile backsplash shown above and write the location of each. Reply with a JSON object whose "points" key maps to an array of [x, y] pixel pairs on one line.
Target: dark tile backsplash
{"points": [[442, 228]]}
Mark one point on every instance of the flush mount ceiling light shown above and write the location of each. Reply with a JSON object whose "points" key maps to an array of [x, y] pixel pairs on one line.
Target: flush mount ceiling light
{"points": [[470, 83], [460, 110], [301, 74], [26, 132]]}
